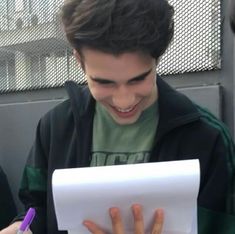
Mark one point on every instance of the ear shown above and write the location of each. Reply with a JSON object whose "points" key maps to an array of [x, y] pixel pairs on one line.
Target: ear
{"points": [[77, 56], [79, 59]]}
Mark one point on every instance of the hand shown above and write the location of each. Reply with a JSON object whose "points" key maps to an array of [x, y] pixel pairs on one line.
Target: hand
{"points": [[13, 228], [117, 224]]}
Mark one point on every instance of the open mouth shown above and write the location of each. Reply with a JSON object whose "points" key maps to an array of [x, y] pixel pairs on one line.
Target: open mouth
{"points": [[126, 113], [125, 110]]}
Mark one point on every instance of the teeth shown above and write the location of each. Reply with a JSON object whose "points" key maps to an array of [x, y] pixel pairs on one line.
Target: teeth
{"points": [[125, 110]]}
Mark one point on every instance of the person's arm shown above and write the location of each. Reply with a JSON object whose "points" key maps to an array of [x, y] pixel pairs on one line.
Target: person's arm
{"points": [[33, 188], [7, 204], [117, 224], [216, 209]]}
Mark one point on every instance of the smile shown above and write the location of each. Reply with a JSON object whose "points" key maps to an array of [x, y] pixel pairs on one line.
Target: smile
{"points": [[125, 110]]}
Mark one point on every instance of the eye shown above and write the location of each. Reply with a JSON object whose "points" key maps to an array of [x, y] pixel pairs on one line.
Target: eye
{"points": [[104, 82], [101, 81], [137, 79]]}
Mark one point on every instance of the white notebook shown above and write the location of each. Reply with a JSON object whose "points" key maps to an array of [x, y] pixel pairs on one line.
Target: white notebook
{"points": [[88, 193]]}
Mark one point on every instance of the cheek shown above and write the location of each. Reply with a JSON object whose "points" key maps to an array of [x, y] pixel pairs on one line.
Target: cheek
{"points": [[147, 88]]}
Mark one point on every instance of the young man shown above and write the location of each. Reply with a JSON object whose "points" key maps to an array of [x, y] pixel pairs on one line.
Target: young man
{"points": [[126, 114]]}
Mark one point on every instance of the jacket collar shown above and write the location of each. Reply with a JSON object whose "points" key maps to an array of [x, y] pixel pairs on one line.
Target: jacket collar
{"points": [[81, 100], [175, 109]]}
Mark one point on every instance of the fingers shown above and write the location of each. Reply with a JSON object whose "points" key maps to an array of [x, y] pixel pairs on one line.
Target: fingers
{"points": [[92, 227], [158, 222], [12, 229], [28, 232], [117, 224], [138, 219], [116, 221]]}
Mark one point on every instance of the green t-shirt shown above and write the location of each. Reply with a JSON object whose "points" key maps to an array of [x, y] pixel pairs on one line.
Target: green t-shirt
{"points": [[115, 144]]}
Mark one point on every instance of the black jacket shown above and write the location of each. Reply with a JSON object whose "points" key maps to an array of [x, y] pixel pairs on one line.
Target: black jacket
{"points": [[185, 131]]}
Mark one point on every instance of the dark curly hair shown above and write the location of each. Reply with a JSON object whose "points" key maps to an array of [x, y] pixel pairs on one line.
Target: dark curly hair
{"points": [[118, 26], [232, 15]]}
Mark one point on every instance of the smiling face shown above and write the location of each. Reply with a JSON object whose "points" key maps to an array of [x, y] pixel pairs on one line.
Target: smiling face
{"points": [[125, 84]]}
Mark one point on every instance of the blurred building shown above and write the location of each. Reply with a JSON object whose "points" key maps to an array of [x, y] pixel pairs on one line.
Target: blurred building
{"points": [[33, 50]]}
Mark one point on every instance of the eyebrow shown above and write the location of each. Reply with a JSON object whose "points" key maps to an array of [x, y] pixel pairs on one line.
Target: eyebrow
{"points": [[136, 78]]}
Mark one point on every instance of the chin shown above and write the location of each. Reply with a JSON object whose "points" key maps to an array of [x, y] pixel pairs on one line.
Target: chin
{"points": [[126, 121]]}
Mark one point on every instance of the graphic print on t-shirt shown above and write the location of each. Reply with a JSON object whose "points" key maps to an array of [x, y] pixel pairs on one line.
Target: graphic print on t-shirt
{"points": [[109, 158]]}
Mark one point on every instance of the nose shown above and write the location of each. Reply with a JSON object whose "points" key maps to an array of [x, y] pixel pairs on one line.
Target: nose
{"points": [[123, 97]]}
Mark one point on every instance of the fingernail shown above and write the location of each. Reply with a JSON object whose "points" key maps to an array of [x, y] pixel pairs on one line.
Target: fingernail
{"points": [[113, 212], [136, 207], [84, 223], [160, 214], [160, 211]]}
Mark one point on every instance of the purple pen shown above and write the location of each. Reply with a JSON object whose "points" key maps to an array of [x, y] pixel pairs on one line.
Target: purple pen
{"points": [[27, 221]]}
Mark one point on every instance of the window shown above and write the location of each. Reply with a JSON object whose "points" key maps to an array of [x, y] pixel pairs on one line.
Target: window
{"points": [[7, 74]]}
